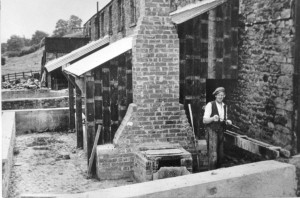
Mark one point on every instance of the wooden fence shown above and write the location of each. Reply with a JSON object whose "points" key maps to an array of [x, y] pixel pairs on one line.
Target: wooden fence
{"points": [[16, 76]]}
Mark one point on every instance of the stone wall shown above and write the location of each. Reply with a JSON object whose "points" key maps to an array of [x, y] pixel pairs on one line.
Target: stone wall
{"points": [[262, 102], [35, 103]]}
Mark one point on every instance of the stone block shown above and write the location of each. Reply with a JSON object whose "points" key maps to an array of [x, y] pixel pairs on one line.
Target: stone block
{"points": [[261, 179]]}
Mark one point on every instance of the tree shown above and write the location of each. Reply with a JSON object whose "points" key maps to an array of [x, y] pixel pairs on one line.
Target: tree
{"points": [[27, 42], [38, 36], [61, 28], [15, 43], [3, 47], [74, 24], [67, 27]]}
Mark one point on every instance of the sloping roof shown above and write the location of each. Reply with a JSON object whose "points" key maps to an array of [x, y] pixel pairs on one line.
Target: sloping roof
{"points": [[193, 10], [94, 45], [99, 57]]}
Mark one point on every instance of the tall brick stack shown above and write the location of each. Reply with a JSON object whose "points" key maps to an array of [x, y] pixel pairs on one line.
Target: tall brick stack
{"points": [[156, 115]]}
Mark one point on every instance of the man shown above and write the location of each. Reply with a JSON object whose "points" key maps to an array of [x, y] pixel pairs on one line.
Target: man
{"points": [[215, 119]]}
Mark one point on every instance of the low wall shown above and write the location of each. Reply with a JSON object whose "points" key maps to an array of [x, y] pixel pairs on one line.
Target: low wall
{"points": [[35, 103], [261, 179], [41, 120], [8, 142], [27, 93]]}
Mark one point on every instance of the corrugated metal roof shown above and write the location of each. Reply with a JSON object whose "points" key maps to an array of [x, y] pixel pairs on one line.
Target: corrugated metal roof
{"points": [[193, 10], [99, 57], [94, 45]]}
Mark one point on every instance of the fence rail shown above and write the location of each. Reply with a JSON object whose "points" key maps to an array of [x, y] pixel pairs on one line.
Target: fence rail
{"points": [[19, 75]]}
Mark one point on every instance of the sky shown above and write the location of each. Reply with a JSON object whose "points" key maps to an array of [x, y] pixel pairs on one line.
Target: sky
{"points": [[24, 17]]}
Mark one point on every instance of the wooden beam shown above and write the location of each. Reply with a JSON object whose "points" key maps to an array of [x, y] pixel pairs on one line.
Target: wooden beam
{"points": [[98, 101], [90, 115], [251, 145], [219, 42], [91, 159], [79, 128], [71, 106]]}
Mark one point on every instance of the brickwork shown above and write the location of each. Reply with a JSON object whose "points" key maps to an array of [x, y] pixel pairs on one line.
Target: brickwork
{"points": [[156, 114], [263, 97], [36, 103]]}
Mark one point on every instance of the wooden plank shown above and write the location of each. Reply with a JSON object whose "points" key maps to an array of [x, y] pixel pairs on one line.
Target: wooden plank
{"points": [[235, 139], [91, 159], [90, 115], [71, 106]]}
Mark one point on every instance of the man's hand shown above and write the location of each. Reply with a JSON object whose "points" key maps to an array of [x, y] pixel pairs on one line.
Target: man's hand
{"points": [[228, 122], [216, 118]]}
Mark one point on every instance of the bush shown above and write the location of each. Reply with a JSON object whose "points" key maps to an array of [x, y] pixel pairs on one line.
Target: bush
{"points": [[29, 50], [3, 61], [12, 54]]}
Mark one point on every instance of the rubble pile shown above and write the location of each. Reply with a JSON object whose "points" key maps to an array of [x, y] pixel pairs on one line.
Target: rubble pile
{"points": [[30, 83]]}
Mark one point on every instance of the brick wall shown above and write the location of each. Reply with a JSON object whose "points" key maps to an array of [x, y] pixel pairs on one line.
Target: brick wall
{"points": [[263, 101]]}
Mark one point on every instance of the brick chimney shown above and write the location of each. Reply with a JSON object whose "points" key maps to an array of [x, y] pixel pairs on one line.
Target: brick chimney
{"points": [[156, 114]]}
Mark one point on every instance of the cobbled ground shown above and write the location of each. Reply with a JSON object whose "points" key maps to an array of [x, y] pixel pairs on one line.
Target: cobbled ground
{"points": [[50, 163]]}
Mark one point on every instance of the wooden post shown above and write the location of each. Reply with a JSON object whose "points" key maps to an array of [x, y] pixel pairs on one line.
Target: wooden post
{"points": [[23, 75], [78, 109], [90, 115], [8, 77], [98, 101], [15, 76], [79, 129], [71, 106]]}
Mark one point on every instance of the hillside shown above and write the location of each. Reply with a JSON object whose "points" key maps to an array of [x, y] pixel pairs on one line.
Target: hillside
{"points": [[29, 62]]}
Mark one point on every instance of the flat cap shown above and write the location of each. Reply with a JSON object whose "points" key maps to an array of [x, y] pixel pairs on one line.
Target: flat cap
{"points": [[218, 90]]}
